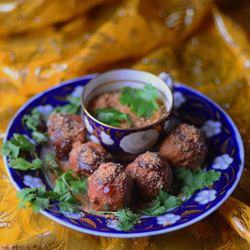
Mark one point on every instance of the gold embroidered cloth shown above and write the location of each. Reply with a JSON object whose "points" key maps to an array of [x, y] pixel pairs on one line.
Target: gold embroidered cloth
{"points": [[202, 43]]}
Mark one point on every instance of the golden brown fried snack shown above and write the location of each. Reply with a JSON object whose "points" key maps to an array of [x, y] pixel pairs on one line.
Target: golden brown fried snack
{"points": [[184, 146], [109, 187], [86, 158], [151, 173], [64, 130]]}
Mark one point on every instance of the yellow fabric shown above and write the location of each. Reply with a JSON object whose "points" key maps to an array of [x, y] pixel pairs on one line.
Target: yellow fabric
{"points": [[202, 43]]}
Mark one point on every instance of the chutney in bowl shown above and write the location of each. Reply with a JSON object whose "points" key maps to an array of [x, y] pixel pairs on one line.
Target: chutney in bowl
{"points": [[119, 140]]}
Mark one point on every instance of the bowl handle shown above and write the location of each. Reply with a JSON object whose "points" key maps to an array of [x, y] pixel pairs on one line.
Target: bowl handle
{"points": [[168, 79]]}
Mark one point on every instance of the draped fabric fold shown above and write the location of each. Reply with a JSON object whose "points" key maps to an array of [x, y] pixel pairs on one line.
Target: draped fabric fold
{"points": [[204, 44]]}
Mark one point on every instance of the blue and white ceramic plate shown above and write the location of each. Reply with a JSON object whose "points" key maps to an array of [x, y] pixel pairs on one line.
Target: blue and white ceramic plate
{"points": [[226, 154]]}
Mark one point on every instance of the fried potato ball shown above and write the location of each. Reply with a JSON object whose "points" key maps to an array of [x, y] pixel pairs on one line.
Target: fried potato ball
{"points": [[64, 130], [150, 173], [184, 146], [110, 187], [86, 158]]}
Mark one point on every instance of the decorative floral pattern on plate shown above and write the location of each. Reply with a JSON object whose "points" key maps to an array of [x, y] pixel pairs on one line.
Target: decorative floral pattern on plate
{"points": [[198, 110], [77, 91], [113, 224], [32, 181], [179, 99], [167, 219], [73, 215], [211, 128], [137, 142], [205, 196], [45, 109], [222, 162]]}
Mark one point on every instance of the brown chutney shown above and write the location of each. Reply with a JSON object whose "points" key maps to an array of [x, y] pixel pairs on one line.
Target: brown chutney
{"points": [[111, 100]]}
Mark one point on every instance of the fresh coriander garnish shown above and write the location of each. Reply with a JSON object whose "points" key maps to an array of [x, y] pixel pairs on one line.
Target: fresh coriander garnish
{"points": [[21, 164], [141, 101], [126, 218], [73, 107], [67, 186], [15, 145], [52, 164], [38, 198], [71, 182], [163, 201], [69, 203], [35, 122], [40, 137], [112, 116], [18, 146], [186, 183]]}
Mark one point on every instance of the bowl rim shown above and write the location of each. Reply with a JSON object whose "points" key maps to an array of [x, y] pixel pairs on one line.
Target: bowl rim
{"points": [[151, 125]]}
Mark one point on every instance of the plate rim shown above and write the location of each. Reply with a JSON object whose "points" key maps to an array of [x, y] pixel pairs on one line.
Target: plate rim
{"points": [[124, 234]]}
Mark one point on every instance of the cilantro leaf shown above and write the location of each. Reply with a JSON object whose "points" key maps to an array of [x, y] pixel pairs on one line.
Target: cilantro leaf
{"points": [[154, 210], [10, 149], [72, 182], [34, 120], [23, 142], [69, 198], [162, 202], [73, 107], [67, 186], [14, 149], [52, 164], [40, 137], [21, 164], [68, 207], [141, 101], [127, 219], [38, 198], [79, 187], [61, 187], [187, 182], [148, 92], [27, 195], [17, 143], [112, 116], [39, 203]]}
